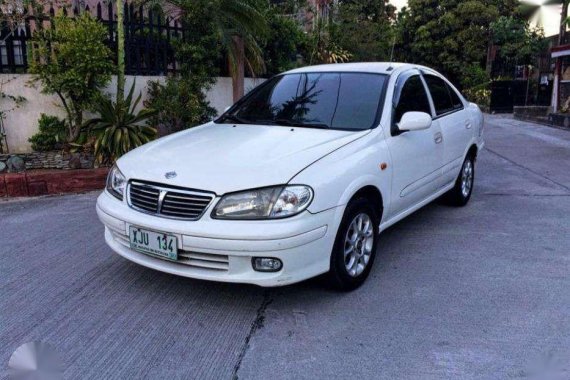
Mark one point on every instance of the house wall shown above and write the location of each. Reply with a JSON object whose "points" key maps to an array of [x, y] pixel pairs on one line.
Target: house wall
{"points": [[21, 123], [169, 9]]}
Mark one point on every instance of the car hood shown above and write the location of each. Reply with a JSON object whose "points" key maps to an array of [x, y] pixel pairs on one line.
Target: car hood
{"points": [[224, 158]]}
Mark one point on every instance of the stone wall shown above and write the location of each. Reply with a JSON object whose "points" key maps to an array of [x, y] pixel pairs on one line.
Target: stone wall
{"points": [[537, 114], [53, 160]]}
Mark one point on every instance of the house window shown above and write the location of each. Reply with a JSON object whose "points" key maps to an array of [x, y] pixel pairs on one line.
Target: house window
{"points": [[18, 53], [3, 53]]}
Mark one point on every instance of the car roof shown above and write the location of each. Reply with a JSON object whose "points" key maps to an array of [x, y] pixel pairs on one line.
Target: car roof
{"points": [[361, 67]]}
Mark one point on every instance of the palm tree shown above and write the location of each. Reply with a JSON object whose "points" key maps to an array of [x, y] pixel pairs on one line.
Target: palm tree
{"points": [[240, 24]]}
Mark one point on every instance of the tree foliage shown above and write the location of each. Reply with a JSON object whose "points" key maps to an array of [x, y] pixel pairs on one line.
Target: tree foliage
{"points": [[323, 45], [230, 19], [181, 101], [448, 35], [364, 28], [474, 75], [72, 61], [517, 39], [284, 41]]}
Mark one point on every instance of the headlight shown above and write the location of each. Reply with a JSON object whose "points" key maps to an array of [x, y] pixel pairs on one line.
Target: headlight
{"points": [[116, 182], [267, 203]]}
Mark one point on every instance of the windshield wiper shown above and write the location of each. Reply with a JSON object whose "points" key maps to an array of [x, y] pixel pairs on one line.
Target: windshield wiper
{"points": [[293, 123], [235, 119]]}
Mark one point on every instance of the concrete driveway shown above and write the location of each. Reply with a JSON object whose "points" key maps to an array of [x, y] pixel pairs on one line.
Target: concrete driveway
{"points": [[481, 292]]}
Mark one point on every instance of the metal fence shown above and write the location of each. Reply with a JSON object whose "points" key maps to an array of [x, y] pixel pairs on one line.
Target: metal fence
{"points": [[148, 39]]}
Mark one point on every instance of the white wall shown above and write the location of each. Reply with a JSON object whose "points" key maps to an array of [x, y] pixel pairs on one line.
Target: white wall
{"points": [[220, 96], [22, 123]]}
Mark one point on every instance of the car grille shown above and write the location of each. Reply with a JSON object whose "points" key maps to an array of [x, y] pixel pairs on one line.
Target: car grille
{"points": [[204, 260], [167, 201]]}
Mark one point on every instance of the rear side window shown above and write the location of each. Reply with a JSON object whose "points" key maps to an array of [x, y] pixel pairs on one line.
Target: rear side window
{"points": [[440, 94], [413, 97], [457, 103]]}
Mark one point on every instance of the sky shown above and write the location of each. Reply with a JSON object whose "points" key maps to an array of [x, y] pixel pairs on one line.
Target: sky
{"points": [[550, 15], [399, 3]]}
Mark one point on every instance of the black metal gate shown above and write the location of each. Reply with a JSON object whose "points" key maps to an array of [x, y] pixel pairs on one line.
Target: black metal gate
{"points": [[502, 97], [148, 38], [507, 94]]}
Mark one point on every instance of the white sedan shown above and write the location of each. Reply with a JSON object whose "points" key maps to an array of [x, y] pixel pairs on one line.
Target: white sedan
{"points": [[298, 178]]}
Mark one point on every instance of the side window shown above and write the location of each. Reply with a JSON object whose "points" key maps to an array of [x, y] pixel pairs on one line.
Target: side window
{"points": [[440, 94], [413, 97], [457, 103]]}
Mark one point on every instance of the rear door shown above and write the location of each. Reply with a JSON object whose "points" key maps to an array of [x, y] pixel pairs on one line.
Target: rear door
{"points": [[417, 156], [451, 115]]}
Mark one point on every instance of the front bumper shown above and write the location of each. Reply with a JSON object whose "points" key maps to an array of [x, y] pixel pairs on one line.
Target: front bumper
{"points": [[222, 250]]}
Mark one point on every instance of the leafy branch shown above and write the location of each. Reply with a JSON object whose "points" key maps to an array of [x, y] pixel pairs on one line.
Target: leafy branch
{"points": [[14, 100]]}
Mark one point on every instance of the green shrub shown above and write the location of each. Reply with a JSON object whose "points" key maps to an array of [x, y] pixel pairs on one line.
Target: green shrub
{"points": [[72, 61], [118, 129], [52, 134], [180, 104], [474, 75], [180, 101], [480, 95], [285, 40]]}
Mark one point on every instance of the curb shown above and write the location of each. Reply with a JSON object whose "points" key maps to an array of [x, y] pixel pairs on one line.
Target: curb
{"points": [[49, 182]]}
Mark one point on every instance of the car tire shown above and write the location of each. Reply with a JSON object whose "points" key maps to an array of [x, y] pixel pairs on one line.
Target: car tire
{"points": [[358, 230], [461, 193]]}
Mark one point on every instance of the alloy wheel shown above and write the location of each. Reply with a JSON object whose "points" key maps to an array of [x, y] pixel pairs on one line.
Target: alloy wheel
{"points": [[358, 244], [467, 178]]}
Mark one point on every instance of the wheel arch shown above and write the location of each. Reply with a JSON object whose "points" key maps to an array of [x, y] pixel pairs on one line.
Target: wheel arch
{"points": [[473, 151], [374, 195]]}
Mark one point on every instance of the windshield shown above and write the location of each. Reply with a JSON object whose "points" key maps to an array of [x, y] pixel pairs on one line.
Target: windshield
{"points": [[347, 101]]}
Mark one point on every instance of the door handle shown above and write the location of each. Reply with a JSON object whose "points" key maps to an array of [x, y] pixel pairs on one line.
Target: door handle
{"points": [[468, 125], [438, 138]]}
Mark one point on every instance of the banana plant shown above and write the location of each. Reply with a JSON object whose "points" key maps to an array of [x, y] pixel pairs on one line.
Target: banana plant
{"points": [[118, 129]]}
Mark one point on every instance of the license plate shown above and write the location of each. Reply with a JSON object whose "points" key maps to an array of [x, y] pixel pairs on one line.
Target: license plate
{"points": [[154, 243]]}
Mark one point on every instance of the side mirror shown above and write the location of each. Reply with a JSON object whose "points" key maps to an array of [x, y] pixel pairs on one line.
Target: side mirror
{"points": [[414, 121]]}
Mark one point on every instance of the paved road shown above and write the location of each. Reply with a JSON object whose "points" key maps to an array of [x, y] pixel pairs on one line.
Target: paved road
{"points": [[481, 292]]}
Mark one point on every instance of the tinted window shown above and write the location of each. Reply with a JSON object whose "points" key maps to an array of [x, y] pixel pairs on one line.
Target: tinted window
{"points": [[332, 100], [457, 103], [317, 99], [359, 97], [271, 100], [413, 97], [439, 94]]}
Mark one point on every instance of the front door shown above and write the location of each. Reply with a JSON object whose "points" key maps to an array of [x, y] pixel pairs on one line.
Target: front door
{"points": [[417, 156]]}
